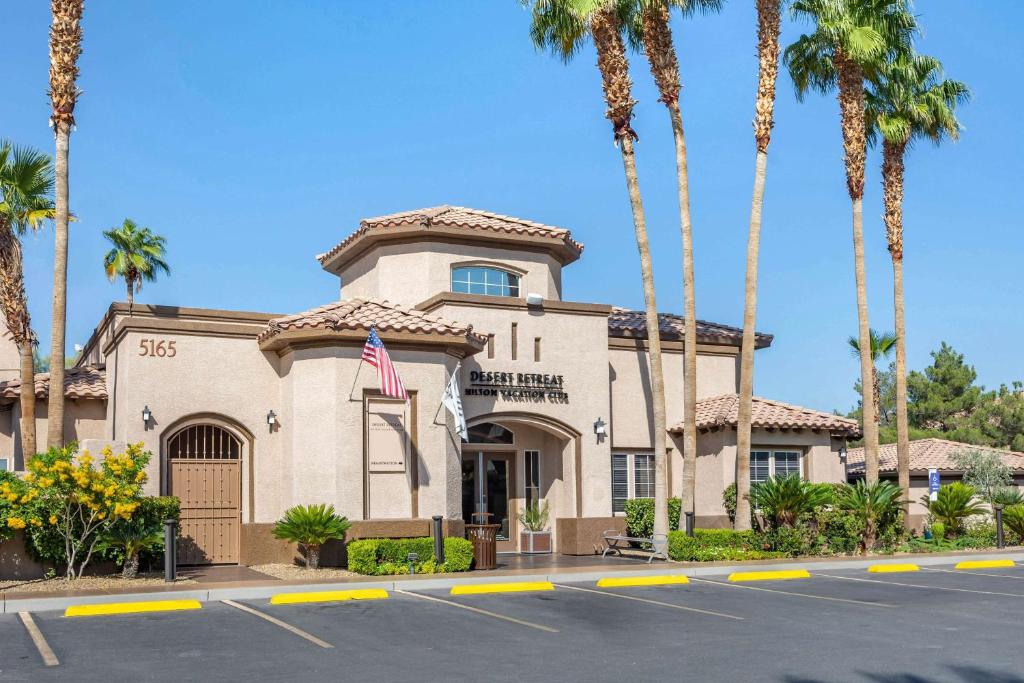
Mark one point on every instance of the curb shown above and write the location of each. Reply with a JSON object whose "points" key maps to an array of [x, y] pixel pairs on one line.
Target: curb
{"points": [[44, 604]]}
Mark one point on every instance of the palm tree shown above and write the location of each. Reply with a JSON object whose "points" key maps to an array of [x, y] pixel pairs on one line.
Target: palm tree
{"points": [[880, 345], [65, 46], [26, 181], [136, 255], [769, 21], [649, 28], [851, 40], [910, 100], [563, 26]]}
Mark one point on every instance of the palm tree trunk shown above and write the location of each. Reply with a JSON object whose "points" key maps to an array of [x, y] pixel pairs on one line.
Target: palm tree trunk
{"points": [[851, 106], [131, 294], [14, 305], [769, 21], [747, 347], [615, 81], [689, 480], [653, 336], [65, 47], [28, 401], [661, 55], [892, 183], [55, 403]]}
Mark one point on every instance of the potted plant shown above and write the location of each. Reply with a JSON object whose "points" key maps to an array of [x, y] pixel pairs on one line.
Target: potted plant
{"points": [[535, 537], [311, 526]]}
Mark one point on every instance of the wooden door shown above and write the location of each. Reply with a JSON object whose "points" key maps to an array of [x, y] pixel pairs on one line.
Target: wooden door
{"points": [[205, 473]]}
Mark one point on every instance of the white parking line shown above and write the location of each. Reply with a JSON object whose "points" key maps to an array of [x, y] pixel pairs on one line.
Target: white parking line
{"points": [[799, 595], [277, 622], [49, 659], [964, 571], [503, 617], [917, 585], [651, 602]]}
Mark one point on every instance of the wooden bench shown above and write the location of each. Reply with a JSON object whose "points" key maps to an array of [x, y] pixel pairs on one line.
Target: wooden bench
{"points": [[656, 545]]}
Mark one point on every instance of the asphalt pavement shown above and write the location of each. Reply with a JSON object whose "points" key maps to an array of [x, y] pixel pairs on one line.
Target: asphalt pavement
{"points": [[935, 624]]}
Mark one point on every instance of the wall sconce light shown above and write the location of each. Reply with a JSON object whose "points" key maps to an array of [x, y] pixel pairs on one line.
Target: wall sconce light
{"points": [[599, 427], [271, 419], [147, 415], [842, 454]]}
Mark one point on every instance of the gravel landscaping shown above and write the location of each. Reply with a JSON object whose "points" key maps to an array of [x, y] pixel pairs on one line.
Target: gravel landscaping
{"points": [[291, 572], [110, 582]]}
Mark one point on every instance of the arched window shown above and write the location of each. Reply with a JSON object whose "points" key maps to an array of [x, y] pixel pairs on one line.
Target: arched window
{"points": [[485, 280], [204, 442], [489, 432]]}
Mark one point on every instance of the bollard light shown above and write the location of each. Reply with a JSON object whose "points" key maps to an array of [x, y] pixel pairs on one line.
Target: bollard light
{"points": [[170, 550], [438, 539], [689, 524], [1000, 538]]}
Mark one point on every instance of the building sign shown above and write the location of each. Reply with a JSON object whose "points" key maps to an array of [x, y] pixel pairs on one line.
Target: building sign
{"points": [[933, 484], [386, 440], [517, 386]]}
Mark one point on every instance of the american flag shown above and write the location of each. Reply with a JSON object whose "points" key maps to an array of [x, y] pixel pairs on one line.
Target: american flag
{"points": [[376, 355]]}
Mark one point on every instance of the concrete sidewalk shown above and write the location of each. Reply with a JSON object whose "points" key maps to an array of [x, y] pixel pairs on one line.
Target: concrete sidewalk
{"points": [[250, 590]]}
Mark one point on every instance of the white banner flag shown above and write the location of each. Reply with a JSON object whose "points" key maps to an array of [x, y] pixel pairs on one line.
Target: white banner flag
{"points": [[452, 400]]}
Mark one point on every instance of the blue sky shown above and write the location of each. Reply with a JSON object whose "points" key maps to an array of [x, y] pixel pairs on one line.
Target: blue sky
{"points": [[256, 134]]}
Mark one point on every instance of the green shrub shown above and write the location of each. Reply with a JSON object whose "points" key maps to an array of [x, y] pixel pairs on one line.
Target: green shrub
{"points": [[954, 504], [311, 526], [792, 541], [1013, 519], [384, 556], [128, 539], [784, 500], [640, 516], [1007, 496], [710, 545], [874, 506], [729, 501], [458, 554], [938, 531]]}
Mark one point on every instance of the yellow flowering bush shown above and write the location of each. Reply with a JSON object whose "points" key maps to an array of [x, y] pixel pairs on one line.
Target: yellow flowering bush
{"points": [[12, 490], [69, 502]]}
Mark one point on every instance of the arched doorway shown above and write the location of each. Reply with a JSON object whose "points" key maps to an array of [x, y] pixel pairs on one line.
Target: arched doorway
{"points": [[204, 471], [513, 459]]}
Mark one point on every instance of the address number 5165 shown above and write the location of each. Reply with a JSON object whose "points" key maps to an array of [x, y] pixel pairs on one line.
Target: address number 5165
{"points": [[158, 349]]}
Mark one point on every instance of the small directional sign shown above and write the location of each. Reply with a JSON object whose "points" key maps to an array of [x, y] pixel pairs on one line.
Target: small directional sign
{"points": [[933, 484]]}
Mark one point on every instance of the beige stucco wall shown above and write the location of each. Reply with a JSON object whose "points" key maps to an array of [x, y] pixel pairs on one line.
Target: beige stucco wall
{"points": [[227, 378], [10, 358], [573, 345], [83, 419], [629, 374], [411, 273], [322, 423], [716, 462]]}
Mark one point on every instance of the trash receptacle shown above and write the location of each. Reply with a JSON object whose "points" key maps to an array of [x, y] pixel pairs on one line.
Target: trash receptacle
{"points": [[484, 538]]}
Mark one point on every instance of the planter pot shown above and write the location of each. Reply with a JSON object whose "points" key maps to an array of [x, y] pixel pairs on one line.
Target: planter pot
{"points": [[535, 542]]}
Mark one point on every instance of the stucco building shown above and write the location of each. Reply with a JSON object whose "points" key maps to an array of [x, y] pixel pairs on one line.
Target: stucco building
{"points": [[250, 413]]}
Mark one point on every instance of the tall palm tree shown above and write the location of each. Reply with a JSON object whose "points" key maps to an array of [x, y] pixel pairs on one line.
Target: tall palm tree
{"points": [[850, 42], [909, 100], [563, 26], [649, 28], [769, 22], [26, 183], [65, 47], [880, 345], [136, 255]]}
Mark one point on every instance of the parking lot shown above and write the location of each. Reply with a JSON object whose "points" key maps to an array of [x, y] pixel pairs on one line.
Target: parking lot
{"points": [[936, 624]]}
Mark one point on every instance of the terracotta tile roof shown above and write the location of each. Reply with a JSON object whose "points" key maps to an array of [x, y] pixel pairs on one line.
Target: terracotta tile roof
{"points": [[624, 322], [721, 411], [89, 382], [928, 453], [471, 220], [362, 314]]}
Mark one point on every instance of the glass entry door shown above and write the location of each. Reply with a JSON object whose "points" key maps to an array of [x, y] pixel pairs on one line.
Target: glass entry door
{"points": [[488, 486]]}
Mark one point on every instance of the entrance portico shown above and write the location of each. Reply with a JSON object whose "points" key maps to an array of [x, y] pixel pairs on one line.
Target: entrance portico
{"points": [[516, 459]]}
